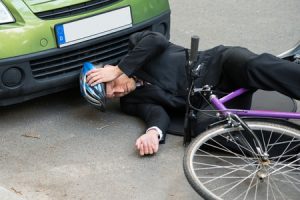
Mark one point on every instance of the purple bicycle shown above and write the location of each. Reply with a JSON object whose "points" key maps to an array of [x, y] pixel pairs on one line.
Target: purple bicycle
{"points": [[248, 154]]}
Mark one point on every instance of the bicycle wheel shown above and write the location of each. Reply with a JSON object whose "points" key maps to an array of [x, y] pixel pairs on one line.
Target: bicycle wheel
{"points": [[222, 163]]}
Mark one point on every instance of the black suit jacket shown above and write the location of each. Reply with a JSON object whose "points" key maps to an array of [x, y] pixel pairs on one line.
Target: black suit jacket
{"points": [[154, 59]]}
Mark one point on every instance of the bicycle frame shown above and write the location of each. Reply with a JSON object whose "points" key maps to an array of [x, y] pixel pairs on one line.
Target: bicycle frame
{"points": [[238, 153], [241, 138], [193, 72], [219, 105]]}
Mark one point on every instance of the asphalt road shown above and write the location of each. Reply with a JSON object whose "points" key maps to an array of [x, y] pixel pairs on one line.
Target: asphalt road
{"points": [[60, 148]]}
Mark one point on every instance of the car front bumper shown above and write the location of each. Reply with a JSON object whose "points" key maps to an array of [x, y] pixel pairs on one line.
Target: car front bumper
{"points": [[33, 75]]}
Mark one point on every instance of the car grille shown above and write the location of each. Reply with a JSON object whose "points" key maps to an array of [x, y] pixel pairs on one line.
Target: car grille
{"points": [[74, 9], [105, 52]]}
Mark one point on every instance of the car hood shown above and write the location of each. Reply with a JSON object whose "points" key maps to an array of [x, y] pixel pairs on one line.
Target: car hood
{"points": [[45, 5]]}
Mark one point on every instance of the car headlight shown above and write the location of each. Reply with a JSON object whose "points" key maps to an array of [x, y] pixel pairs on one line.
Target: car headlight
{"points": [[5, 15]]}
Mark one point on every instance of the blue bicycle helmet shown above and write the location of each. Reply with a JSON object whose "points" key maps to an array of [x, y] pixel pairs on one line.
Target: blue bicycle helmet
{"points": [[95, 95]]}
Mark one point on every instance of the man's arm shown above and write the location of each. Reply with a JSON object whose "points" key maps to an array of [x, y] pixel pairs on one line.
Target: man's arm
{"points": [[145, 46], [156, 120], [153, 115]]}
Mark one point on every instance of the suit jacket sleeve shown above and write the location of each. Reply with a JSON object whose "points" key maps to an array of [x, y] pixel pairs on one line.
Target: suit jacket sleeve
{"points": [[153, 115], [143, 47]]}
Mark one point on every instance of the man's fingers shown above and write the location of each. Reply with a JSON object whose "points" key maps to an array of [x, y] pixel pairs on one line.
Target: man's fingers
{"points": [[155, 147], [100, 80], [150, 147], [138, 143], [145, 144], [142, 149], [90, 74], [95, 80], [91, 71], [91, 78], [155, 144], [94, 75]]}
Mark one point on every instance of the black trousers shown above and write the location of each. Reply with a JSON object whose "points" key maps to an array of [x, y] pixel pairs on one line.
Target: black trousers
{"points": [[243, 68]]}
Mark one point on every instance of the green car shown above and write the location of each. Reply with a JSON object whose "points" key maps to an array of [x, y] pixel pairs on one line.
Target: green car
{"points": [[43, 43]]}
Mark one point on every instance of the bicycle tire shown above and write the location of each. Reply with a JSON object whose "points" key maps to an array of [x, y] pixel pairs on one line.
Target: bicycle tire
{"points": [[206, 186]]}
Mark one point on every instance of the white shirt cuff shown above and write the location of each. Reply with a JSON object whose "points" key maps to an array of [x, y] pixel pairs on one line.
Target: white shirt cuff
{"points": [[160, 135]]}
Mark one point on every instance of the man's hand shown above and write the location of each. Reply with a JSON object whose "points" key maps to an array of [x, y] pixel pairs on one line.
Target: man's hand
{"points": [[148, 143], [101, 75]]}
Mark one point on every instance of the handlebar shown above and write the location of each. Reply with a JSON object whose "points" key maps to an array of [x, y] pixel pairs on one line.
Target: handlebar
{"points": [[194, 48], [190, 64]]}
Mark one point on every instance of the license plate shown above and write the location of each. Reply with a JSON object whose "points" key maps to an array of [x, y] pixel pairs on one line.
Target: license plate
{"points": [[93, 27]]}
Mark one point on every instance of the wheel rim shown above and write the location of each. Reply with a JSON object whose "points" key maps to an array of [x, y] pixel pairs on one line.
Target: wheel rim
{"points": [[243, 175]]}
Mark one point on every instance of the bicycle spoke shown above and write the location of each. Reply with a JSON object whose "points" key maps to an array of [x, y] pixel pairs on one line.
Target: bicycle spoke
{"points": [[219, 158], [223, 176], [215, 178], [284, 150], [224, 186], [291, 177], [274, 165], [284, 166], [231, 157], [293, 148], [240, 148], [269, 140], [288, 181], [253, 152], [219, 167], [256, 188], [263, 138], [228, 164], [275, 142], [247, 191], [271, 187], [238, 145], [290, 170], [291, 155], [279, 191], [238, 184], [226, 149], [283, 142], [268, 186]]}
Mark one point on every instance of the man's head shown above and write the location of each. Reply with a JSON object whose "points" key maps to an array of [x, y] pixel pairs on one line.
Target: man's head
{"points": [[119, 87]]}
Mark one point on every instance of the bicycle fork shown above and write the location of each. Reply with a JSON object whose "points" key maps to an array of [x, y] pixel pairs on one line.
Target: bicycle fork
{"points": [[261, 152]]}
